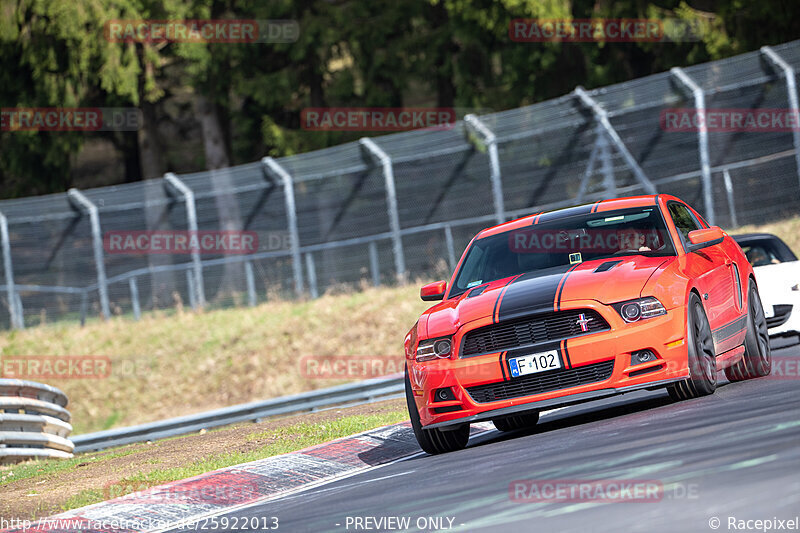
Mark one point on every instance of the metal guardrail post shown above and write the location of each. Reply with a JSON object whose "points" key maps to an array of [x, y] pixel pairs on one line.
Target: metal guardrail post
{"points": [[726, 176], [602, 117], [791, 89], [251, 283], [391, 201], [451, 249], [84, 307], [374, 265], [171, 180], [494, 161], [20, 312], [291, 216], [8, 268], [190, 282], [82, 202], [312, 275], [137, 311], [702, 140]]}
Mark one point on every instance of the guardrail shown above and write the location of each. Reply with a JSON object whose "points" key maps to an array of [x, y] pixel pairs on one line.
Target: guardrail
{"points": [[33, 422], [354, 393]]}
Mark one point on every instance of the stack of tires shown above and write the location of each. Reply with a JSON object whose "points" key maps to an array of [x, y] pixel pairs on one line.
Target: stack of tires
{"points": [[34, 423]]}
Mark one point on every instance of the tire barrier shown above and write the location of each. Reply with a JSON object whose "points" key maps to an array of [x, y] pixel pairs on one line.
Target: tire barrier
{"points": [[34, 423]]}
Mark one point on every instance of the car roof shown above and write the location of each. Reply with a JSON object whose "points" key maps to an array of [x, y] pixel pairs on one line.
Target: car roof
{"points": [[785, 253], [747, 237], [596, 207]]}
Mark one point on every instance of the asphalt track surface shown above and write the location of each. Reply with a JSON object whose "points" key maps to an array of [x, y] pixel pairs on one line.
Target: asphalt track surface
{"points": [[733, 454]]}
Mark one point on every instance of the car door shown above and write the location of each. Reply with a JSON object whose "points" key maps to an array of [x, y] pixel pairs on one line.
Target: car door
{"points": [[711, 268]]}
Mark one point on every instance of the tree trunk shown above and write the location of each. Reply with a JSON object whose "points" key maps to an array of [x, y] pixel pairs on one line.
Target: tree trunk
{"points": [[218, 161], [152, 168]]}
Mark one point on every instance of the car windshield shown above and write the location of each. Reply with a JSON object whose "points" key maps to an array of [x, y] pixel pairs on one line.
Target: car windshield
{"points": [[766, 252], [568, 240]]}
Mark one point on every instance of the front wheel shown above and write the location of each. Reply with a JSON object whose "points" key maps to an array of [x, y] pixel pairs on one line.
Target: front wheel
{"points": [[757, 360], [434, 441], [702, 356]]}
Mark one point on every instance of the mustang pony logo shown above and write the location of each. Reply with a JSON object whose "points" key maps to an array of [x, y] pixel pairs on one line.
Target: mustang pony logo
{"points": [[583, 322]]}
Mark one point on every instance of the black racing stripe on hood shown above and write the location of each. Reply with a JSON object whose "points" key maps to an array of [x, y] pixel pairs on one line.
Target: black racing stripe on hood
{"points": [[531, 292], [560, 291]]}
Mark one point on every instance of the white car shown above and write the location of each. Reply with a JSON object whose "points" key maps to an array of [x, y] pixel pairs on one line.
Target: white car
{"points": [[777, 273]]}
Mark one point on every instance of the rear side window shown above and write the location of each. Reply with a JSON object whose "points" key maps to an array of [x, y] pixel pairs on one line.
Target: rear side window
{"points": [[683, 219]]}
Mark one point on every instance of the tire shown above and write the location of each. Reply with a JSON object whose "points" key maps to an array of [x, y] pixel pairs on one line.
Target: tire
{"points": [[702, 357], [434, 441], [516, 422], [757, 360]]}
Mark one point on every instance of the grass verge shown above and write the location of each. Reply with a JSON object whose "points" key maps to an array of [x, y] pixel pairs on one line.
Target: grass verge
{"points": [[41, 488]]}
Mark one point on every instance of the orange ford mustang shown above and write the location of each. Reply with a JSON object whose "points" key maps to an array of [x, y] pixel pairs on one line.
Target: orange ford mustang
{"points": [[578, 304]]}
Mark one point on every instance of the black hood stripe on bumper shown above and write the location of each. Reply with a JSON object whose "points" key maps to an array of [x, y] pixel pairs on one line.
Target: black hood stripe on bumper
{"points": [[500, 298]]}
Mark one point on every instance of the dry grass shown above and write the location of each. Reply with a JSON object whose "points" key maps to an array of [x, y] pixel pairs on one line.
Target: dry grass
{"points": [[192, 362], [788, 230]]}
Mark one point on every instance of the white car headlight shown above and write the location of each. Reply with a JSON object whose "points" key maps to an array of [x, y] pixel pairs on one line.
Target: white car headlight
{"points": [[633, 310], [430, 349]]}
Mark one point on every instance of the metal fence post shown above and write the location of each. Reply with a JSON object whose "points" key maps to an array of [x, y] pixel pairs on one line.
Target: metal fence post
{"points": [[451, 249], [791, 89], [291, 217], [726, 176], [602, 118], [134, 287], [8, 268], [374, 265], [137, 311], [312, 275], [702, 140], [84, 306], [251, 283], [80, 200], [190, 282], [494, 161], [391, 201], [172, 181]]}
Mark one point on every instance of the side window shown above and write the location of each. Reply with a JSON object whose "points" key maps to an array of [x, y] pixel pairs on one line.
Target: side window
{"points": [[683, 219]]}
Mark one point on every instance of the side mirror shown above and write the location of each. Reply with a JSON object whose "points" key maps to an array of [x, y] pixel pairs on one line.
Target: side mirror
{"points": [[433, 291], [703, 238]]}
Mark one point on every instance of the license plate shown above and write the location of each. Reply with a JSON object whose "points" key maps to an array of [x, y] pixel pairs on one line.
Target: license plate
{"points": [[769, 311], [534, 363]]}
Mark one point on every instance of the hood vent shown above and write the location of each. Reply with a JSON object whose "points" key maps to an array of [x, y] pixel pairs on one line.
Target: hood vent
{"points": [[608, 265]]}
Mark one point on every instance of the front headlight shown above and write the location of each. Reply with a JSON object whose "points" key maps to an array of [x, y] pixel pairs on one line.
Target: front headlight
{"points": [[430, 349], [796, 287], [634, 310]]}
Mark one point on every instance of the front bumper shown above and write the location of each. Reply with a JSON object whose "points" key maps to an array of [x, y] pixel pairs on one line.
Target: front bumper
{"points": [[662, 335], [786, 314]]}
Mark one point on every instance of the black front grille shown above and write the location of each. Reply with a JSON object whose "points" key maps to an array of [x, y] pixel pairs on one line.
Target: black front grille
{"points": [[530, 330], [782, 314], [538, 383]]}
